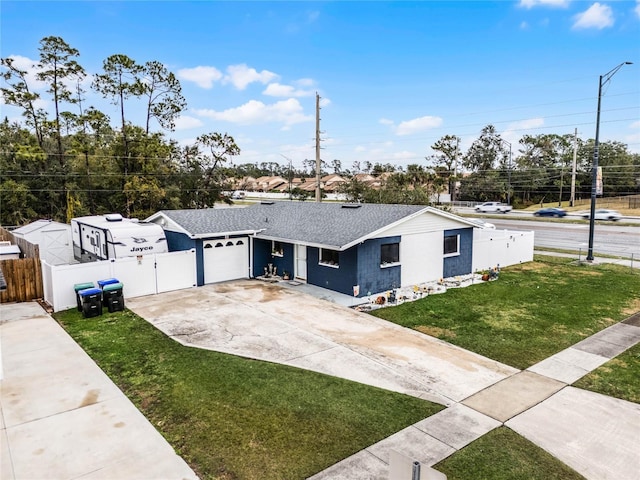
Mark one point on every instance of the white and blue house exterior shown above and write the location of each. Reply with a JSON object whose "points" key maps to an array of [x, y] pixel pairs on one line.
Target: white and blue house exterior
{"points": [[336, 246]]}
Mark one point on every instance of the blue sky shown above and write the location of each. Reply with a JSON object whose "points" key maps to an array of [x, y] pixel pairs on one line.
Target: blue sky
{"points": [[393, 77]]}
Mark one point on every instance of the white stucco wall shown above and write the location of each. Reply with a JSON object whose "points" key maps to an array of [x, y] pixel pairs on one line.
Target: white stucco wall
{"points": [[421, 258]]}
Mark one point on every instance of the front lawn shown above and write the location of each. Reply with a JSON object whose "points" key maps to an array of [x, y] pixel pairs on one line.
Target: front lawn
{"points": [[531, 312], [233, 418]]}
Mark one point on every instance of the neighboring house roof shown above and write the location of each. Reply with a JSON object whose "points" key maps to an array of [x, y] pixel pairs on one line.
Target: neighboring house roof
{"points": [[330, 225], [37, 225]]}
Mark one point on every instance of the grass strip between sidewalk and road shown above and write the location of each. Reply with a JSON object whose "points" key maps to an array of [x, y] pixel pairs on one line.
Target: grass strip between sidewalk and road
{"points": [[235, 418], [502, 454], [616, 378]]}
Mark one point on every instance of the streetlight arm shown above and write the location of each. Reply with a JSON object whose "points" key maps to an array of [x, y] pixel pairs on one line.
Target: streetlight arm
{"points": [[607, 76]]}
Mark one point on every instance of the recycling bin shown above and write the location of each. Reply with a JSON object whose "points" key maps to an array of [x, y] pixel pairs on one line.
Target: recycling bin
{"points": [[91, 302], [108, 281], [112, 297], [81, 286]]}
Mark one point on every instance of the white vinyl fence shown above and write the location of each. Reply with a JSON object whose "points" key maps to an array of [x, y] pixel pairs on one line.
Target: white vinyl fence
{"points": [[501, 247], [143, 275]]}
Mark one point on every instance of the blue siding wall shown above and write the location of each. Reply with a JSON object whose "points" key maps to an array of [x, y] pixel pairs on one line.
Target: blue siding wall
{"points": [[460, 264], [371, 277], [337, 279], [262, 257]]}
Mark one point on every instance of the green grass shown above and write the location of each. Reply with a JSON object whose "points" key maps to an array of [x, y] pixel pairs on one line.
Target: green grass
{"points": [[234, 418], [616, 378], [533, 311], [502, 454]]}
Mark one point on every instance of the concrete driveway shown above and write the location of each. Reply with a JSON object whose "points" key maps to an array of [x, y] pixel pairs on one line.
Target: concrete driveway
{"points": [[268, 322]]}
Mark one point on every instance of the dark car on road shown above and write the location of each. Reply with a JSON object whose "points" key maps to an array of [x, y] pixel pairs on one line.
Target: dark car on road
{"points": [[550, 212]]}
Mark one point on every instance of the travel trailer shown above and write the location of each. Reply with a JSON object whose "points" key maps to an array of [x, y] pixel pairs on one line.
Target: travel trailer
{"points": [[105, 237]]}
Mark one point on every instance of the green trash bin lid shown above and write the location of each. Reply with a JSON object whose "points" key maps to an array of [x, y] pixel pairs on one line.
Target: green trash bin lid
{"points": [[112, 286], [83, 286]]}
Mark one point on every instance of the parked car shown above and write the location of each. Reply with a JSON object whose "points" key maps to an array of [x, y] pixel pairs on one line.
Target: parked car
{"points": [[494, 207], [603, 214], [550, 212]]}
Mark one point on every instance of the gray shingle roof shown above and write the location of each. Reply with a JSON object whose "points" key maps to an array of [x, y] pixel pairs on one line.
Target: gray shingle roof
{"points": [[328, 224]]}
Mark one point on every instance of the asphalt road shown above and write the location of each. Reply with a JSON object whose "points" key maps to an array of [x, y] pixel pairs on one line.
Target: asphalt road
{"points": [[609, 238]]}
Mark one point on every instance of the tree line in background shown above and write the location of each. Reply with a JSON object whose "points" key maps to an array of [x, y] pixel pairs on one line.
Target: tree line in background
{"points": [[74, 162]]}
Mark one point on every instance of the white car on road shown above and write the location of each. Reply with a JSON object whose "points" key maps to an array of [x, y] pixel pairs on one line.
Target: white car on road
{"points": [[603, 214]]}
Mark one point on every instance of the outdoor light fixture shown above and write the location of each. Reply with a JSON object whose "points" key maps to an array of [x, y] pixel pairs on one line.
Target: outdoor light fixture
{"points": [[594, 182]]}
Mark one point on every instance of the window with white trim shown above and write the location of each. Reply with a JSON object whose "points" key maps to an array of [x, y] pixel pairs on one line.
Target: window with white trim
{"points": [[330, 258], [451, 245], [389, 254], [277, 249]]}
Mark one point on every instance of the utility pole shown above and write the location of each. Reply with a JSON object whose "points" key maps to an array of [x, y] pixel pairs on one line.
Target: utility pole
{"points": [[289, 175], [455, 170], [573, 170], [318, 190]]}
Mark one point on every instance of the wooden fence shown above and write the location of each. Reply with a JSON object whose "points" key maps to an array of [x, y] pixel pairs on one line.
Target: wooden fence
{"points": [[22, 276]]}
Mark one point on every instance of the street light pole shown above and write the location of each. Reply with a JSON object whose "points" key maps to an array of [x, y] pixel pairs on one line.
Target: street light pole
{"points": [[604, 79]]}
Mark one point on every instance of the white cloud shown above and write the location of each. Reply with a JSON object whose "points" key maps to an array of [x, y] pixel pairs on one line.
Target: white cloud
{"points": [[596, 16], [418, 125], [635, 124], [404, 155], [279, 90], [313, 16], [524, 26], [309, 82], [185, 122], [202, 76], [637, 9], [241, 75], [544, 3], [289, 112], [385, 121], [516, 130]]}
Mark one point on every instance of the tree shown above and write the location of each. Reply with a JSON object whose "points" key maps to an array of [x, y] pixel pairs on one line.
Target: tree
{"points": [[542, 163], [164, 95], [447, 155], [57, 64], [19, 95], [120, 80], [222, 147], [484, 151]]}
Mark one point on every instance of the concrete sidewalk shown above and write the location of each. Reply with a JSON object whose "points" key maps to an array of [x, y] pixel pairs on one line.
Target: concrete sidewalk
{"points": [[61, 416], [594, 434]]}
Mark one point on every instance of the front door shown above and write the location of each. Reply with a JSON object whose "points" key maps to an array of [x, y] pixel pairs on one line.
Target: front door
{"points": [[301, 262]]}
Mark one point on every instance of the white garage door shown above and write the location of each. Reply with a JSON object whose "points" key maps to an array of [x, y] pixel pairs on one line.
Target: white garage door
{"points": [[226, 259]]}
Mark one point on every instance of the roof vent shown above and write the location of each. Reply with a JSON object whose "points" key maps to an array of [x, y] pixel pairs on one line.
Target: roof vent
{"points": [[113, 217], [351, 205]]}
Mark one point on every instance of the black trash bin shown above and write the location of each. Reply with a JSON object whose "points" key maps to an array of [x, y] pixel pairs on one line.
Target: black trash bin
{"points": [[81, 286], [91, 302], [112, 297]]}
